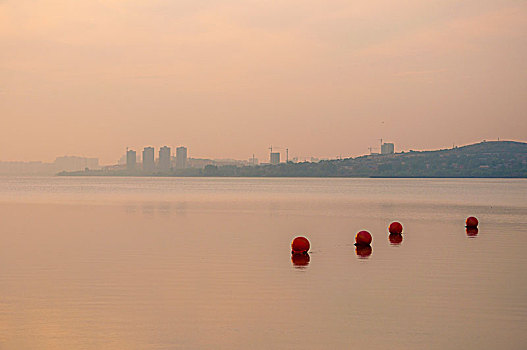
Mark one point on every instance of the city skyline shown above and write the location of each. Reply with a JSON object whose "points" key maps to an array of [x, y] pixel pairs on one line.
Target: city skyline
{"points": [[391, 147], [487, 159]]}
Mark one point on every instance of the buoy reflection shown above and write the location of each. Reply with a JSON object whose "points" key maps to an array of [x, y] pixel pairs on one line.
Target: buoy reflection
{"points": [[300, 260], [395, 239], [472, 231], [363, 251]]}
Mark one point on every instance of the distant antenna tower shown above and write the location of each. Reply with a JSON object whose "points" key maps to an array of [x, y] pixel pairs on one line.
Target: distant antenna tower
{"points": [[287, 155]]}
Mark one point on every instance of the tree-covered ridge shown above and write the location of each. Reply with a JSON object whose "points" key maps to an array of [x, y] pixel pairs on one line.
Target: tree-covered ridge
{"points": [[486, 159]]}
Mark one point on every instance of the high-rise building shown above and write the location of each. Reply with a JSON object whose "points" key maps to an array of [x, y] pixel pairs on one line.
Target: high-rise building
{"points": [[130, 159], [274, 158], [164, 158], [148, 159], [181, 157], [387, 148]]}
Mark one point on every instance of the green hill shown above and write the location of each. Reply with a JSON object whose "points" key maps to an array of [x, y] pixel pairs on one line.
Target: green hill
{"points": [[485, 159]]}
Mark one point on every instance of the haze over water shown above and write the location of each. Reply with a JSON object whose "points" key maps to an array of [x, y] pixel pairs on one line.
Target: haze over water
{"points": [[184, 263]]}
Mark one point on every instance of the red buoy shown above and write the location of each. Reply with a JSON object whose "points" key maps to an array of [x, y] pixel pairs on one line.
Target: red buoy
{"points": [[395, 228], [300, 260], [471, 222], [363, 251], [300, 245], [395, 239], [363, 238]]}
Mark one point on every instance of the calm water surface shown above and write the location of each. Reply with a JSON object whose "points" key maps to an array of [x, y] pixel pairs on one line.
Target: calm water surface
{"points": [[182, 263]]}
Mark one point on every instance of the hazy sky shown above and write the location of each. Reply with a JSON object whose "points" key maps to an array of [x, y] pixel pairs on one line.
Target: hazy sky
{"points": [[229, 78]]}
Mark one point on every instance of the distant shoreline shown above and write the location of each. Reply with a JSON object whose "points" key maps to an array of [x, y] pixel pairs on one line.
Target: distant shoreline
{"points": [[83, 174], [493, 159]]}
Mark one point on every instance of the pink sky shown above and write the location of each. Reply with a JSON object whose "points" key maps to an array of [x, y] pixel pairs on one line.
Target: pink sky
{"points": [[229, 78]]}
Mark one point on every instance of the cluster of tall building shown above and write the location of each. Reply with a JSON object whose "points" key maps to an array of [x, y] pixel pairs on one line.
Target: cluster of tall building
{"points": [[164, 163]]}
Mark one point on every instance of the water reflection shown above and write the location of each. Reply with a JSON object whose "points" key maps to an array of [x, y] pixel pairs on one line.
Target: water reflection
{"points": [[148, 209], [363, 252], [152, 209], [300, 260], [395, 239], [92, 272], [472, 231]]}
